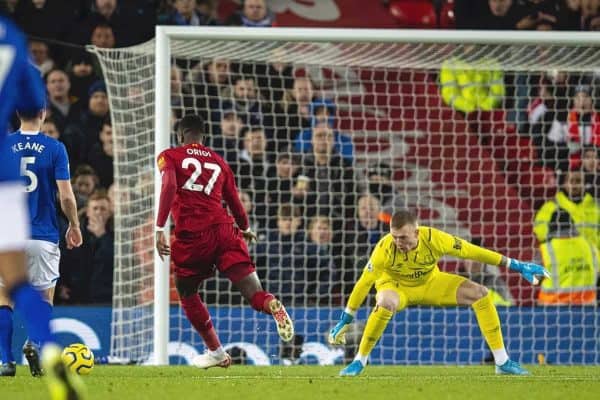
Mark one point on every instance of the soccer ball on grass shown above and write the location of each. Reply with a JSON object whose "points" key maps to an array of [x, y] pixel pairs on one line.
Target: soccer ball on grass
{"points": [[78, 358]]}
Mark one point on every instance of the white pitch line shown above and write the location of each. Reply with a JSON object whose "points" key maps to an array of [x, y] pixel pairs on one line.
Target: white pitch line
{"points": [[436, 377]]}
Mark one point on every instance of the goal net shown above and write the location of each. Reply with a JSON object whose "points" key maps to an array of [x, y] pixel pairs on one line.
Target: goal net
{"points": [[327, 136]]}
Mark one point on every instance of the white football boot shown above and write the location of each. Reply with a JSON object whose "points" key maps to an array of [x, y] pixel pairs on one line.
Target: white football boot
{"points": [[209, 360], [285, 326]]}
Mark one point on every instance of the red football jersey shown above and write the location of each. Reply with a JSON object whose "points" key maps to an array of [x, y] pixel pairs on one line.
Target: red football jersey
{"points": [[202, 179]]}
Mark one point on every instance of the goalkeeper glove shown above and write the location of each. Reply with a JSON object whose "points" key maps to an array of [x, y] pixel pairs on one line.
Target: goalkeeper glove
{"points": [[337, 334], [533, 273]]}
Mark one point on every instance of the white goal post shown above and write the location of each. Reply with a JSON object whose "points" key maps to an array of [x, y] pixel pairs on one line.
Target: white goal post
{"points": [[398, 50]]}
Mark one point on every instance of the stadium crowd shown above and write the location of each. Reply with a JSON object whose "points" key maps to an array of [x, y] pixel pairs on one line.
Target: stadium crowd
{"points": [[317, 213]]}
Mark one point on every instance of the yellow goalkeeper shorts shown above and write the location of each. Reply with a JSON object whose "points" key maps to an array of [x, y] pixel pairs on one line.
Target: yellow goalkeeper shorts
{"points": [[439, 290]]}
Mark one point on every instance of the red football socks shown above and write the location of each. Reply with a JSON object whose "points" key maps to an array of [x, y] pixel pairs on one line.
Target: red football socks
{"points": [[197, 313], [260, 301]]}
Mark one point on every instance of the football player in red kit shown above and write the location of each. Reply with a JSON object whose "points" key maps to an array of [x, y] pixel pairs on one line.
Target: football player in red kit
{"points": [[195, 180]]}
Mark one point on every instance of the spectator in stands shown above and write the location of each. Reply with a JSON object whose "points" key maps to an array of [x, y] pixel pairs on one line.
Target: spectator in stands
{"points": [[280, 181], [91, 120], [294, 269], [569, 15], [64, 109], [119, 17], [320, 232], [328, 252], [256, 226], [493, 14], [547, 118], [40, 55], [536, 13], [568, 230], [590, 163], [331, 185], [368, 227], [82, 74], [101, 154], [186, 13], [293, 113], [90, 282], [583, 124], [50, 129], [48, 18], [361, 235], [103, 36], [274, 78], [226, 137], [501, 14], [254, 13], [277, 257], [209, 8], [71, 138], [469, 86], [252, 169], [248, 104], [590, 13], [573, 205], [379, 177], [85, 182], [98, 234], [323, 114], [181, 102], [210, 83]]}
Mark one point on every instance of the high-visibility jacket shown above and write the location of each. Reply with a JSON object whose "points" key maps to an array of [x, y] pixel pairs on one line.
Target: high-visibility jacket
{"points": [[585, 218], [468, 87], [582, 134], [573, 266]]}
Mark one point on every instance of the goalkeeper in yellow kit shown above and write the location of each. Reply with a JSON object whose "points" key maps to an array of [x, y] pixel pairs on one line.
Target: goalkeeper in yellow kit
{"points": [[403, 268]]}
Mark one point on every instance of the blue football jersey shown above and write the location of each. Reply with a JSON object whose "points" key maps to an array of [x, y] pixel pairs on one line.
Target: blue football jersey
{"points": [[43, 161], [21, 88]]}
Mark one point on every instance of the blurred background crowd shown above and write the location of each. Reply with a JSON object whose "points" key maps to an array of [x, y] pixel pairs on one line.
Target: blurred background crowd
{"points": [[317, 212]]}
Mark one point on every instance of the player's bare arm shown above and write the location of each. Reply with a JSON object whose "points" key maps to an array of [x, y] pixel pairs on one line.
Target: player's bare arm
{"points": [[167, 195], [162, 245], [68, 205]]}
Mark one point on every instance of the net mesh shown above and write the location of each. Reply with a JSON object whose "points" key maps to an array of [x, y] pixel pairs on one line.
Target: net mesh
{"points": [[471, 137]]}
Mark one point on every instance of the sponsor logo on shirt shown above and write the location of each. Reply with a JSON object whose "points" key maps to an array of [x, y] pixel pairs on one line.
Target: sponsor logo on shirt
{"points": [[457, 244]]}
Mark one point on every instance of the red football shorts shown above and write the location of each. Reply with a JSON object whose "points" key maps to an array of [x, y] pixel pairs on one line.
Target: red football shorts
{"points": [[219, 247]]}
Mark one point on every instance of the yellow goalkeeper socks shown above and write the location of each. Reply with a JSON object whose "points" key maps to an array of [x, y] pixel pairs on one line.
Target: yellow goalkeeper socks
{"points": [[376, 324], [489, 323]]}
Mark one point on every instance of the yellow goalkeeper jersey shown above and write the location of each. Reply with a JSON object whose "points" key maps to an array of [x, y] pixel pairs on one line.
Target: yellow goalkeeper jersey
{"points": [[415, 267]]}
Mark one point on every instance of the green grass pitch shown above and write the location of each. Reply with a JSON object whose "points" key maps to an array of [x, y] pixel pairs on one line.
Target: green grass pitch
{"points": [[315, 382]]}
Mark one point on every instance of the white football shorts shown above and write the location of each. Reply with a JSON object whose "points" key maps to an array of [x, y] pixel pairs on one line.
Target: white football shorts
{"points": [[43, 259], [14, 217]]}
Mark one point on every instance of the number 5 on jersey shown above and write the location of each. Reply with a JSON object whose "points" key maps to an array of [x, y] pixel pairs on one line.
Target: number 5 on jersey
{"points": [[191, 184], [33, 179]]}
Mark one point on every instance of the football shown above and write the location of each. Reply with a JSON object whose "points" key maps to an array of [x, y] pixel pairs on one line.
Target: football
{"points": [[79, 358]]}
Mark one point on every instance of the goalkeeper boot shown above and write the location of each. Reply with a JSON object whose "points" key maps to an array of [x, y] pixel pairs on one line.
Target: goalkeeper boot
{"points": [[209, 360], [353, 369], [8, 369], [285, 326], [511, 367], [32, 354], [63, 384]]}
